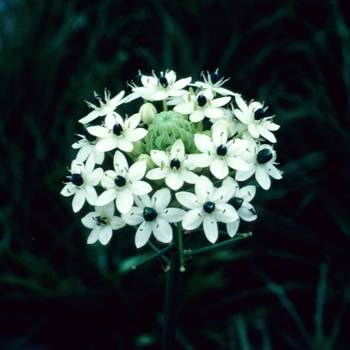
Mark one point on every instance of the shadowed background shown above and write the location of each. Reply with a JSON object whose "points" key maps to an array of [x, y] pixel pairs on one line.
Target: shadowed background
{"points": [[287, 287]]}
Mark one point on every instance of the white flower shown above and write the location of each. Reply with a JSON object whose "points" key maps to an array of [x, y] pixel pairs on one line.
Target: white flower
{"points": [[254, 116], [262, 165], [174, 166], [153, 215], [102, 106], [87, 149], [241, 202], [201, 104], [220, 154], [156, 89], [102, 222], [80, 183], [208, 206], [213, 82], [118, 133], [123, 183]]}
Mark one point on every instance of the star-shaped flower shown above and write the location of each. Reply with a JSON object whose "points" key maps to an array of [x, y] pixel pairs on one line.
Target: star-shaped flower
{"points": [[213, 82], [156, 89], [118, 133], [208, 206], [219, 153], [87, 150], [102, 222], [123, 183], [262, 165], [174, 166], [153, 215], [241, 202], [102, 106], [80, 183], [201, 104], [254, 116]]}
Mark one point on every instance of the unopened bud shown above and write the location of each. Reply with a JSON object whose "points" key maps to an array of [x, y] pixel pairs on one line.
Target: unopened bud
{"points": [[148, 113]]}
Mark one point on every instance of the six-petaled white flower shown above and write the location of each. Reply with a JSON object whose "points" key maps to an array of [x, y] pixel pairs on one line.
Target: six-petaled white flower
{"points": [[153, 215], [102, 221], [175, 166], [262, 165], [123, 183], [156, 89], [201, 104], [241, 202], [219, 153], [102, 106], [254, 116], [118, 133], [81, 183], [208, 206]]}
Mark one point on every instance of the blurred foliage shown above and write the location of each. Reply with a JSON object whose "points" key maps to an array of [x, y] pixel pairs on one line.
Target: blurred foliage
{"points": [[287, 287]]}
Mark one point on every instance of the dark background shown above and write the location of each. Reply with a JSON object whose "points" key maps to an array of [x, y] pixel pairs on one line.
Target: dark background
{"points": [[287, 287]]}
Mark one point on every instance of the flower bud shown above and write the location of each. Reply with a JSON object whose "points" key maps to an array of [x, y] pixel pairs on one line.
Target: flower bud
{"points": [[148, 112]]}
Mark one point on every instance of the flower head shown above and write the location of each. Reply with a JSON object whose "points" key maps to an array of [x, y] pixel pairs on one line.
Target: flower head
{"points": [[208, 206], [153, 215]]}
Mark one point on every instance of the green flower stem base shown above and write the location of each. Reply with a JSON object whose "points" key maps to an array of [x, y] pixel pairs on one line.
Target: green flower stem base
{"points": [[171, 301]]}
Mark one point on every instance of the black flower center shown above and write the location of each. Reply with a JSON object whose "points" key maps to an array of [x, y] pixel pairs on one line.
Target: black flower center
{"points": [[76, 179], [163, 82], [100, 220], [120, 181], [215, 77], [202, 100], [98, 99], [236, 202], [149, 214], [221, 150], [209, 207], [264, 156], [259, 114], [175, 163], [117, 129]]}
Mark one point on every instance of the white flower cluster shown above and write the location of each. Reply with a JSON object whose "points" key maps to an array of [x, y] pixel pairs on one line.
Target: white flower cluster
{"points": [[180, 165]]}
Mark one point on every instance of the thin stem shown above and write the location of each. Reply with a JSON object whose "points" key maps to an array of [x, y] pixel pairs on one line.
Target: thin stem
{"points": [[238, 237], [171, 302], [165, 106], [181, 249]]}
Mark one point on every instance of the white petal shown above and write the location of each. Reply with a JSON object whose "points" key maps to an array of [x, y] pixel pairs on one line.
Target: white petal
{"points": [[93, 236], [203, 143], [120, 161], [140, 188], [106, 197], [204, 189], [90, 117], [90, 194], [105, 234], [133, 217], [161, 199], [107, 144], [78, 200], [274, 172], [219, 168], [232, 228], [192, 219], [184, 108], [116, 223], [69, 189], [213, 112], [187, 199], [197, 116], [88, 220], [225, 213], [95, 177], [162, 230], [210, 227], [157, 173], [247, 212], [172, 214], [174, 180], [245, 175], [268, 135], [237, 163], [137, 171], [143, 234], [262, 177], [125, 200], [247, 192], [98, 131]]}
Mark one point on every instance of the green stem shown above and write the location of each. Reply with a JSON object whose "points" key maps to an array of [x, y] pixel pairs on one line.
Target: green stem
{"points": [[238, 237], [171, 302], [165, 106], [181, 248]]}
